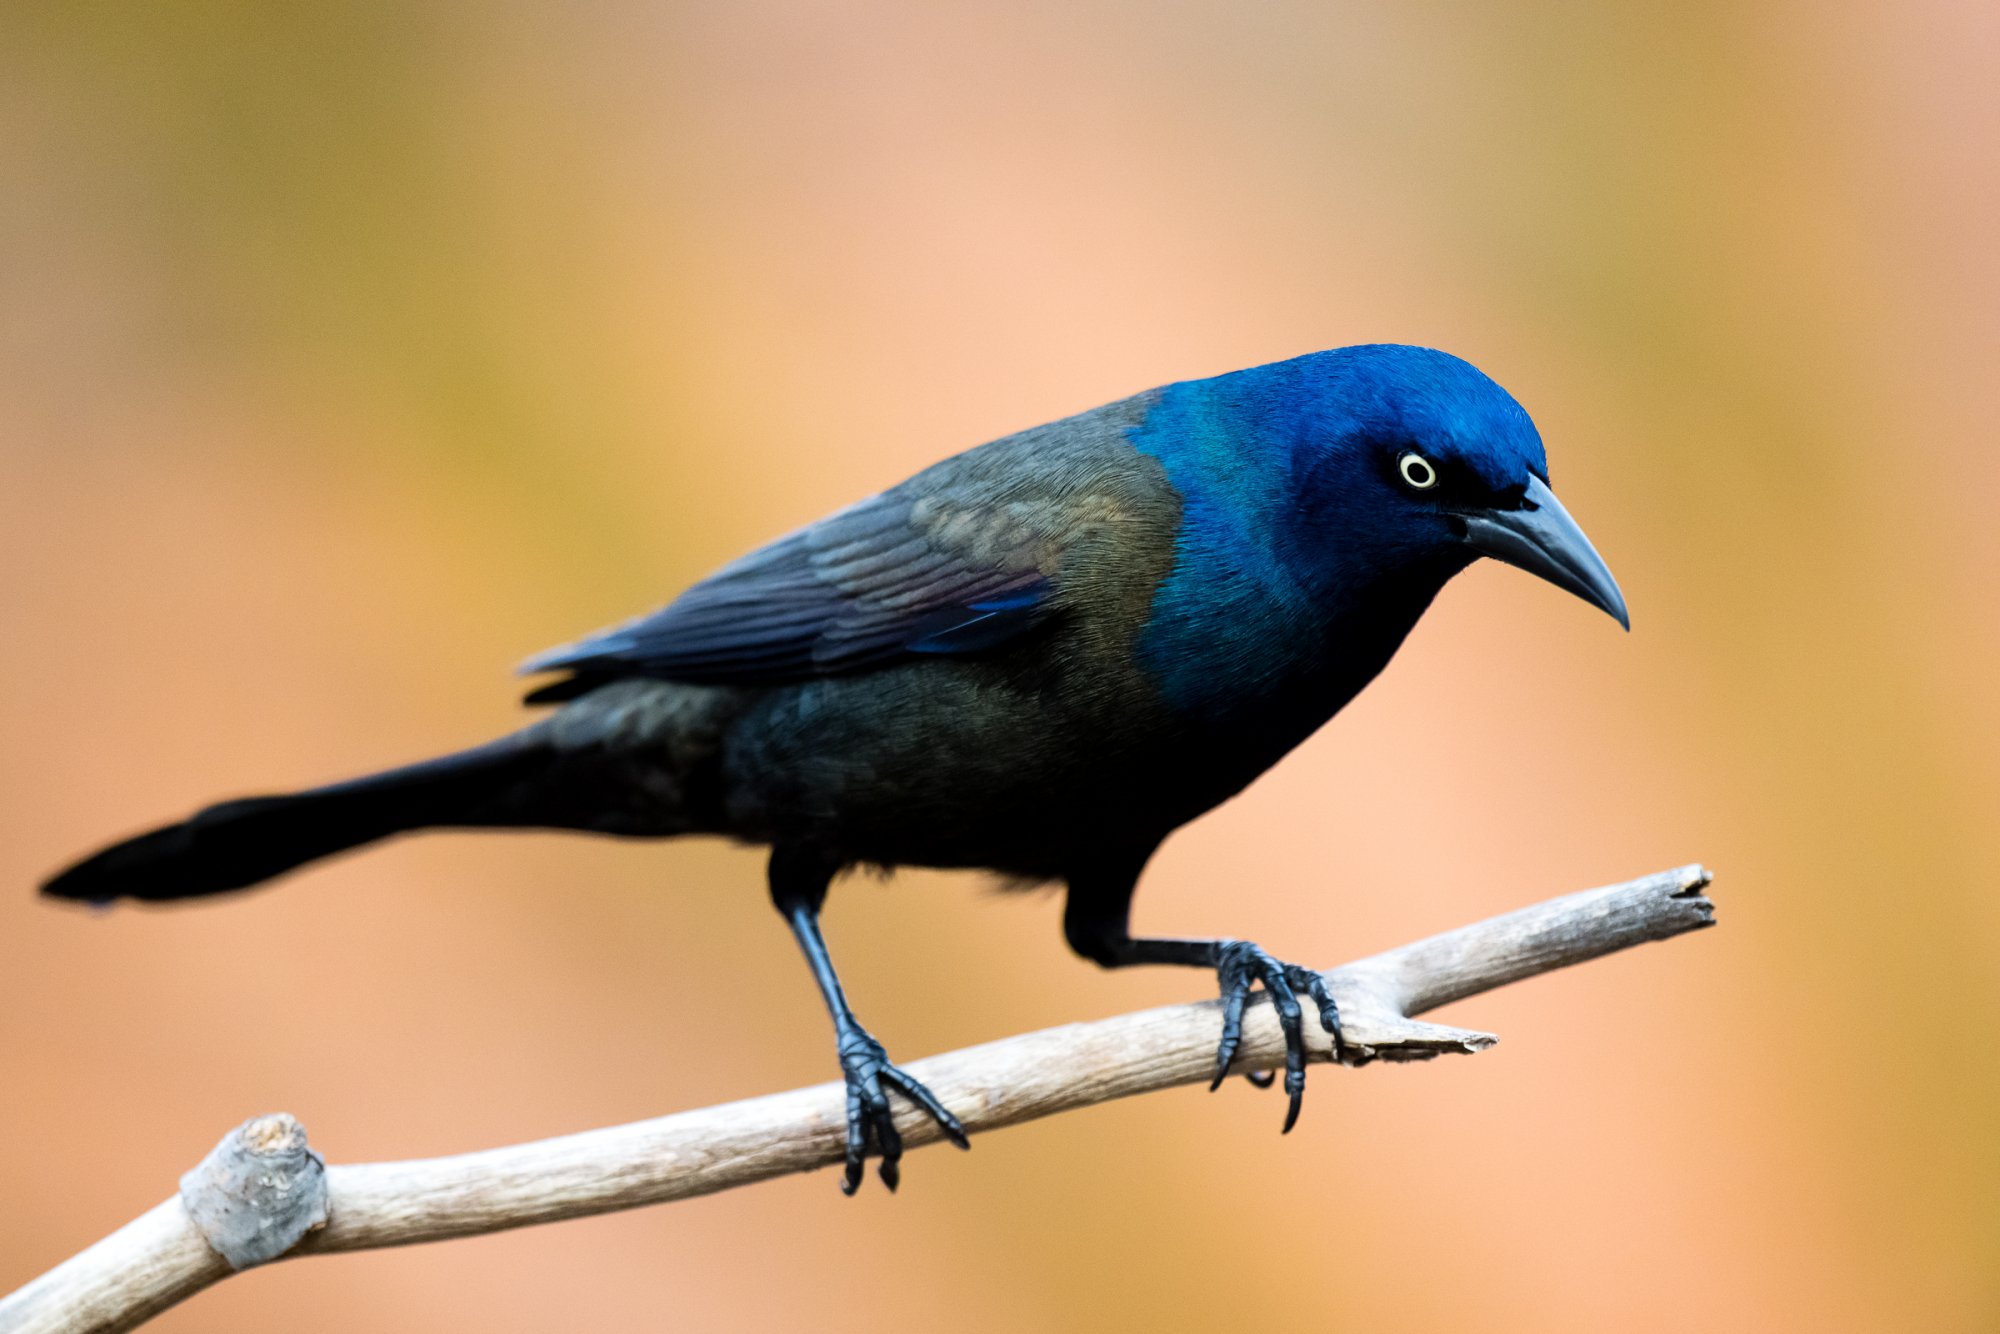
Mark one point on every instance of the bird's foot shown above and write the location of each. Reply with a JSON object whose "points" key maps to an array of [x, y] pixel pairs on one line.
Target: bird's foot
{"points": [[870, 1121], [1238, 966]]}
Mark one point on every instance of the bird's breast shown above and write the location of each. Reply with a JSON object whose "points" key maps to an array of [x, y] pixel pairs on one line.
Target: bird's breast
{"points": [[1251, 670]]}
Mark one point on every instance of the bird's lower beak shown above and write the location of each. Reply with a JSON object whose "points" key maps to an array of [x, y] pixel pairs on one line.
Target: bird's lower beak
{"points": [[1542, 539]]}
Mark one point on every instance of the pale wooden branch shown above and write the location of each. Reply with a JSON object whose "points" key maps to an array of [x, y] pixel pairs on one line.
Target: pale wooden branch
{"points": [[262, 1194]]}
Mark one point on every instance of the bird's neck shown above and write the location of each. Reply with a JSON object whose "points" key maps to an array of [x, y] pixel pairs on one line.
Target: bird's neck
{"points": [[1266, 662]]}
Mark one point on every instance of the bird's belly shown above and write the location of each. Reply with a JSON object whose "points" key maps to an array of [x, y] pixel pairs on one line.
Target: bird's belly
{"points": [[968, 769]]}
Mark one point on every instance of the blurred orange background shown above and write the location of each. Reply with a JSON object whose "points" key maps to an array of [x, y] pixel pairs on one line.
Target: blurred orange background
{"points": [[350, 353]]}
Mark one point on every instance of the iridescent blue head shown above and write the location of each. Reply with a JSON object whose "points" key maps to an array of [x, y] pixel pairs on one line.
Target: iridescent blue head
{"points": [[1340, 471]]}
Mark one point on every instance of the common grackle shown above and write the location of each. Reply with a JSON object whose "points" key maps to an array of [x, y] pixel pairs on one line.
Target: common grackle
{"points": [[1038, 657]]}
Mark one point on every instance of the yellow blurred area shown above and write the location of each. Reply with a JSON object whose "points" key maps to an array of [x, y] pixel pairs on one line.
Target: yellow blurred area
{"points": [[350, 353]]}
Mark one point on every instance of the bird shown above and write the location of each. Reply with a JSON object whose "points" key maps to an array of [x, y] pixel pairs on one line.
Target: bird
{"points": [[1037, 658]]}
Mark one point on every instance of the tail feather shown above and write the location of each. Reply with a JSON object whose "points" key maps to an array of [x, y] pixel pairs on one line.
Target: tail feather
{"points": [[237, 844]]}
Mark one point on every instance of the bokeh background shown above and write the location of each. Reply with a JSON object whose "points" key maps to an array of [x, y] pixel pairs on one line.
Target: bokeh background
{"points": [[351, 352]]}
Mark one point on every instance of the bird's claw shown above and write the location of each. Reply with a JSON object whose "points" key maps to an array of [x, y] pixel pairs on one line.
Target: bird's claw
{"points": [[1239, 965], [870, 1120]]}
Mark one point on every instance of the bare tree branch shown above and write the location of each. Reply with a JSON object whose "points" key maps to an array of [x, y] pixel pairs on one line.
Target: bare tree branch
{"points": [[262, 1194]]}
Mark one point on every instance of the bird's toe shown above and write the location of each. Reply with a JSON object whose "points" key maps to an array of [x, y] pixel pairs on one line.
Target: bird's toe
{"points": [[1240, 966], [871, 1119]]}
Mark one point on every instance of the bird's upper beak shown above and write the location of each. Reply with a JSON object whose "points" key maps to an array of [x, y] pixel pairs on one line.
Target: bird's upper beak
{"points": [[1542, 539]]}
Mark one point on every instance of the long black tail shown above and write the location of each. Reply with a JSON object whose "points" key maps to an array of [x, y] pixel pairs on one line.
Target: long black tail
{"points": [[241, 843]]}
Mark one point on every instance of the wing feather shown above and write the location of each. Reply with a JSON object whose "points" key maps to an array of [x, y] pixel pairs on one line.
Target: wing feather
{"points": [[854, 591], [965, 557]]}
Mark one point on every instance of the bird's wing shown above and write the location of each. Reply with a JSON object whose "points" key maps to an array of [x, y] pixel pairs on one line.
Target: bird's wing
{"points": [[960, 559]]}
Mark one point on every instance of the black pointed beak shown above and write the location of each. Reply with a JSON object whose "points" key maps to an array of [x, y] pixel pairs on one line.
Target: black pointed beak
{"points": [[1542, 539]]}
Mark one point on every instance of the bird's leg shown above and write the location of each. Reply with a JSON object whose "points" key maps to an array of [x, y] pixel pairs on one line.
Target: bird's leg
{"points": [[798, 888], [1095, 922]]}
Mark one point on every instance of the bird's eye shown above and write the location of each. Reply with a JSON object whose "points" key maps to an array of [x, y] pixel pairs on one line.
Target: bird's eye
{"points": [[1419, 472]]}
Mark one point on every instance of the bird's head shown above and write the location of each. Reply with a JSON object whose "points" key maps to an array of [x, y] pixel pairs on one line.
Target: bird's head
{"points": [[1406, 458]]}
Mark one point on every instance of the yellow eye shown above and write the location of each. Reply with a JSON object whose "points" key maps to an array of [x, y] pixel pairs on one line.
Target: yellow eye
{"points": [[1418, 471]]}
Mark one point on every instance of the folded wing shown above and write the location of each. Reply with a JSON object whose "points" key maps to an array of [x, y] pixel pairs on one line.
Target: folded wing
{"points": [[917, 570]]}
